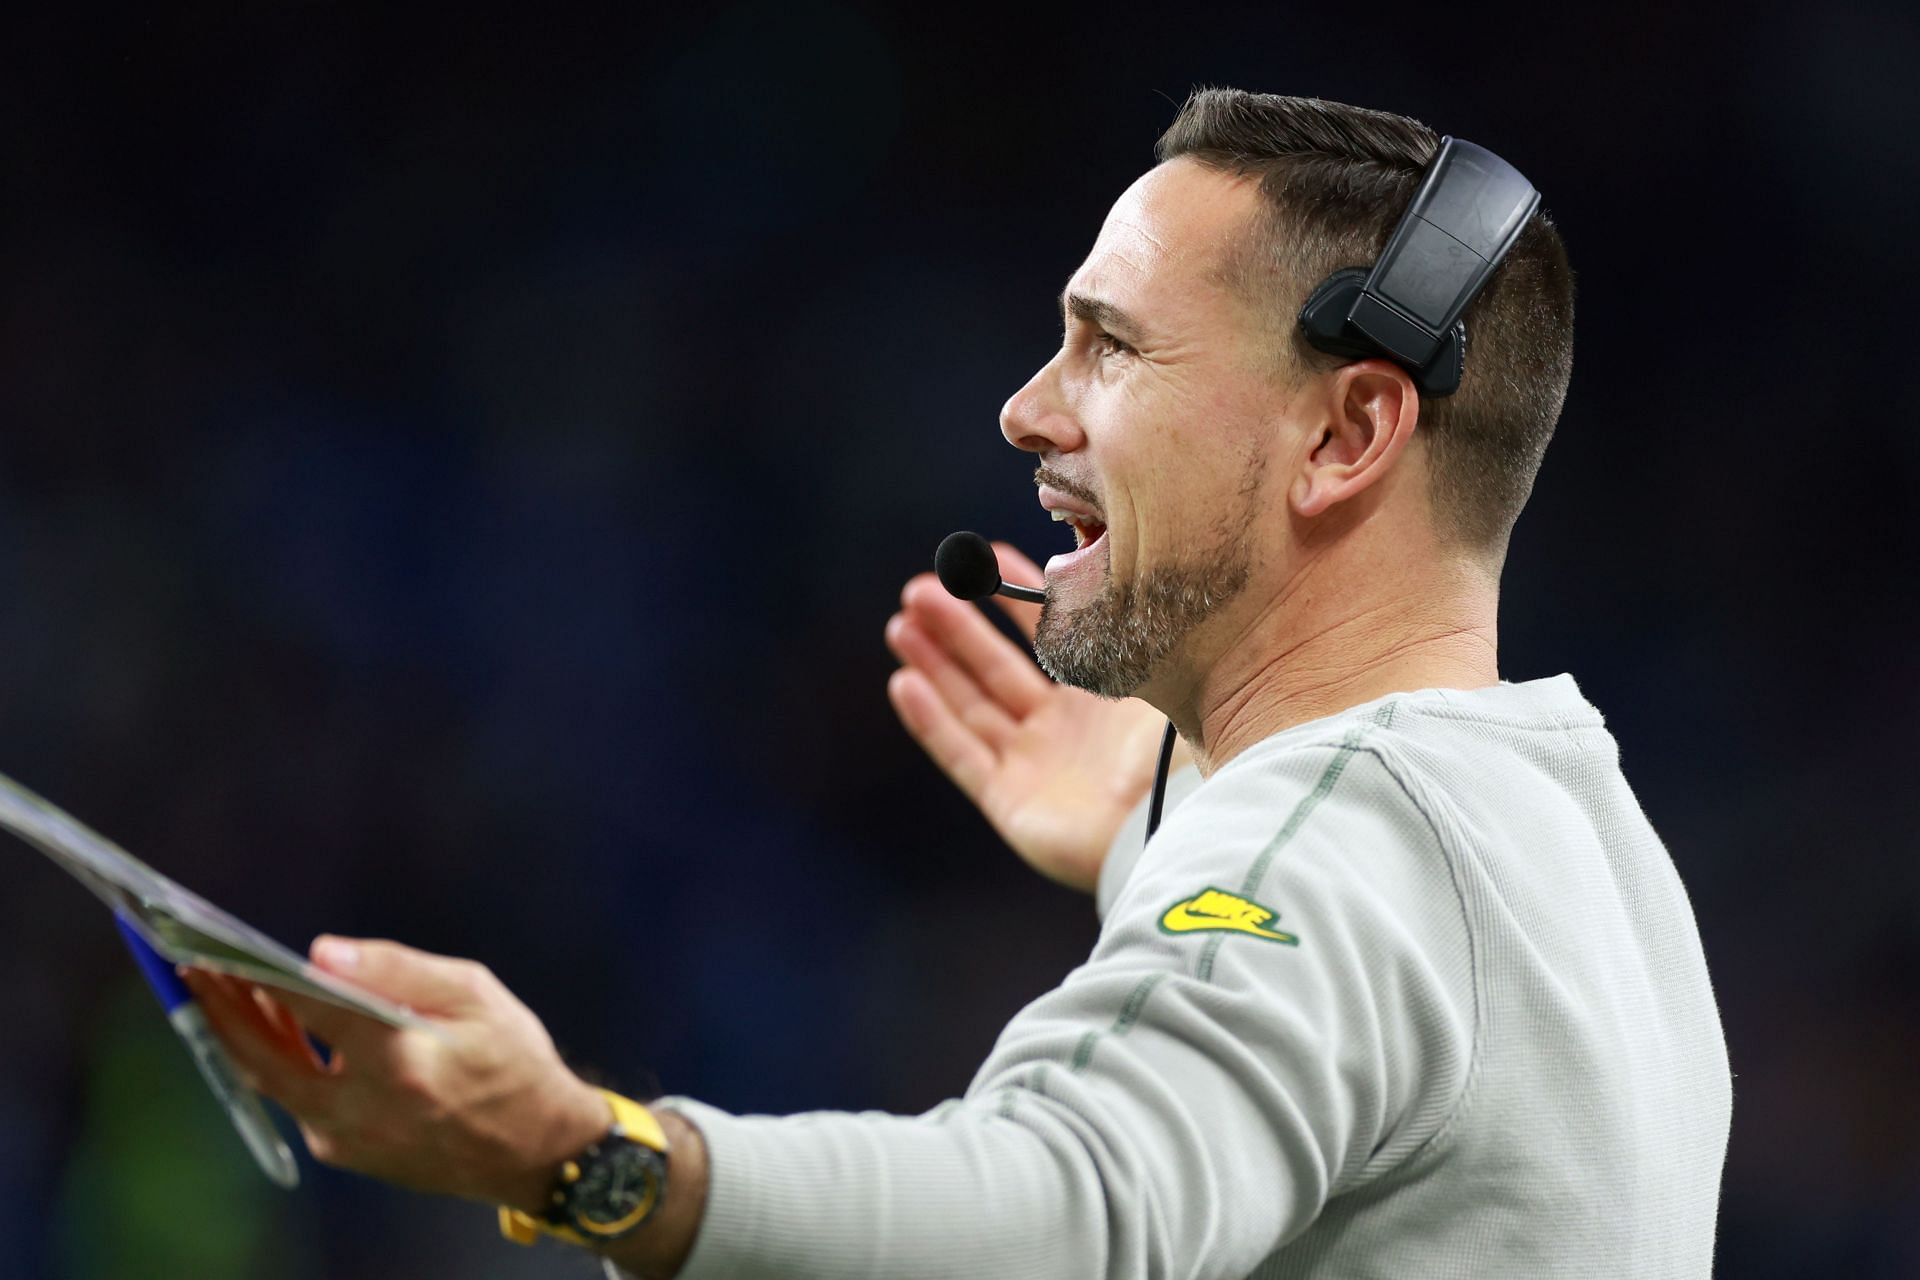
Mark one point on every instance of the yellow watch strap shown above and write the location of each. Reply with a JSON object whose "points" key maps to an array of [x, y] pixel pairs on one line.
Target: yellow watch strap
{"points": [[630, 1120], [635, 1121], [524, 1228]]}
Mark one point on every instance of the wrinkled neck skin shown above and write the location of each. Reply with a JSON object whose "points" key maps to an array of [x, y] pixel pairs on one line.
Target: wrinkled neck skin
{"points": [[1379, 607]]}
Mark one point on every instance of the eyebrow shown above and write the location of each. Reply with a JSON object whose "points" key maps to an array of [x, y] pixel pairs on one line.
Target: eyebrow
{"points": [[1100, 312]]}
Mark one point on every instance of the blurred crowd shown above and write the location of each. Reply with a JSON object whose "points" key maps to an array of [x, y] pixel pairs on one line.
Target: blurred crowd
{"points": [[453, 476]]}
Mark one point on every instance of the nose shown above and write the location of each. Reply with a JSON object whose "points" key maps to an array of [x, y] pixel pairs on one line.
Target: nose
{"points": [[1036, 418]]}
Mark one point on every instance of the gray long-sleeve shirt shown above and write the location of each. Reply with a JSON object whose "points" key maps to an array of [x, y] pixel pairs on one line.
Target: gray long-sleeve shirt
{"points": [[1413, 989]]}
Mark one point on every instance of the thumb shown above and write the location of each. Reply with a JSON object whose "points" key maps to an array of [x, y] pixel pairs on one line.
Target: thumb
{"points": [[424, 982]]}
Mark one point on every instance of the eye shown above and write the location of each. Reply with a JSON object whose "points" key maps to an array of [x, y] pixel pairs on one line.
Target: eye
{"points": [[1109, 345]]}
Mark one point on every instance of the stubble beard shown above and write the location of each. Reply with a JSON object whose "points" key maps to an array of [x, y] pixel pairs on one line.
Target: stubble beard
{"points": [[1113, 645]]}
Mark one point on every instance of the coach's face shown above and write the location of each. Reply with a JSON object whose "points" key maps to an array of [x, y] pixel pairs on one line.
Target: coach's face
{"points": [[1154, 426]]}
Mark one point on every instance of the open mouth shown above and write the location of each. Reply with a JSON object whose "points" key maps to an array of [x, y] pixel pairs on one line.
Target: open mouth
{"points": [[1086, 530]]}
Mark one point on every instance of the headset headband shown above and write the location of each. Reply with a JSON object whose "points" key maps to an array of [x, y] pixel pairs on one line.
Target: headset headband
{"points": [[1468, 212]]}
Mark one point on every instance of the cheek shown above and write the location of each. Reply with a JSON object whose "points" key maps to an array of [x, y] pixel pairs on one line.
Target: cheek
{"points": [[1238, 428], [1174, 457], [1190, 458], [1152, 470]]}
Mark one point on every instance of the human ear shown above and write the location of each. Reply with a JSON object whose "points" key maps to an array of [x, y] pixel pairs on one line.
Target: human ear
{"points": [[1367, 416]]}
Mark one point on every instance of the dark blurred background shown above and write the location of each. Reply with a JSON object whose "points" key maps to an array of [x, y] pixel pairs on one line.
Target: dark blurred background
{"points": [[455, 467]]}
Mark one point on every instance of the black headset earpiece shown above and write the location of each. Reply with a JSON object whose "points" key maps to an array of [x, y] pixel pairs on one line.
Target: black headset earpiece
{"points": [[1469, 210], [1324, 320]]}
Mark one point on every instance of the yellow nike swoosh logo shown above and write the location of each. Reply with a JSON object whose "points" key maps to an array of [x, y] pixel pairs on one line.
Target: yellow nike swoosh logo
{"points": [[1217, 910]]}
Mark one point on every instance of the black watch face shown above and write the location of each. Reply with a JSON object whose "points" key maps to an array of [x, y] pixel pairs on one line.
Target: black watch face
{"points": [[618, 1187]]}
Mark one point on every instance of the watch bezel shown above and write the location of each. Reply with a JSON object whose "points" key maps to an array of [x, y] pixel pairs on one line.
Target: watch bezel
{"points": [[568, 1210]]}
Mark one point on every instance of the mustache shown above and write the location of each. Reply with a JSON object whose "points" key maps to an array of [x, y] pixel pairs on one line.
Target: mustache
{"points": [[1045, 475]]}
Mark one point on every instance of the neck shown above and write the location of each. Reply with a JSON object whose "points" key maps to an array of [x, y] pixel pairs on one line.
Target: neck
{"points": [[1319, 646]]}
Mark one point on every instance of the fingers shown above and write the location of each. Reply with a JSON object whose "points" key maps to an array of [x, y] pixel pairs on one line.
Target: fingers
{"points": [[341, 1028], [983, 716], [959, 752], [286, 1027], [422, 981], [256, 1009], [963, 635], [267, 1062], [1016, 568]]}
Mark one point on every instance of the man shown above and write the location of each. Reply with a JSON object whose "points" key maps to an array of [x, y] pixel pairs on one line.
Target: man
{"points": [[1405, 984]]}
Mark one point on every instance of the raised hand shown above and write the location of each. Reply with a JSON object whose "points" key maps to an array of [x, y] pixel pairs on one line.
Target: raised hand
{"points": [[1054, 769]]}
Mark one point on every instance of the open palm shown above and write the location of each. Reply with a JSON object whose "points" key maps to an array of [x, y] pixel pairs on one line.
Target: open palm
{"points": [[1054, 769]]}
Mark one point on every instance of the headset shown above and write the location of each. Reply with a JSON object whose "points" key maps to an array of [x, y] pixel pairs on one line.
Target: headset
{"points": [[1469, 210]]}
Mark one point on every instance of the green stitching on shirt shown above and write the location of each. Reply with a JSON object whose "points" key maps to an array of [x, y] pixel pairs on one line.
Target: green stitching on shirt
{"points": [[1129, 1014], [1130, 1011], [1301, 812], [1083, 1054], [1295, 820], [1137, 1000]]}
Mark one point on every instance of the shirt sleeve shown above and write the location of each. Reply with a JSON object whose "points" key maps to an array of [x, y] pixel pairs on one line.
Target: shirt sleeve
{"points": [[1185, 1102], [1124, 853]]}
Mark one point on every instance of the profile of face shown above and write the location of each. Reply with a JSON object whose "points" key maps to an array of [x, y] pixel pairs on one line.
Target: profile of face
{"points": [[1154, 426]]}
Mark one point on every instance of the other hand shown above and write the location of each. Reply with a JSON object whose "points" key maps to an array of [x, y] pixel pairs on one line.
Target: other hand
{"points": [[480, 1106], [1054, 769]]}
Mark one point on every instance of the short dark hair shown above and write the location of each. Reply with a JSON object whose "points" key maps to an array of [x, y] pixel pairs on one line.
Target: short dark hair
{"points": [[1335, 180]]}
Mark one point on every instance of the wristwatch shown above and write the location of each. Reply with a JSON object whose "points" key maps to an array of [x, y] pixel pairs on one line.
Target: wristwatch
{"points": [[607, 1191]]}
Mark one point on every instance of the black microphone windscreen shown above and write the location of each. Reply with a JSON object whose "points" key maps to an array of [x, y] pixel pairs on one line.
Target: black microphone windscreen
{"points": [[967, 566]]}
